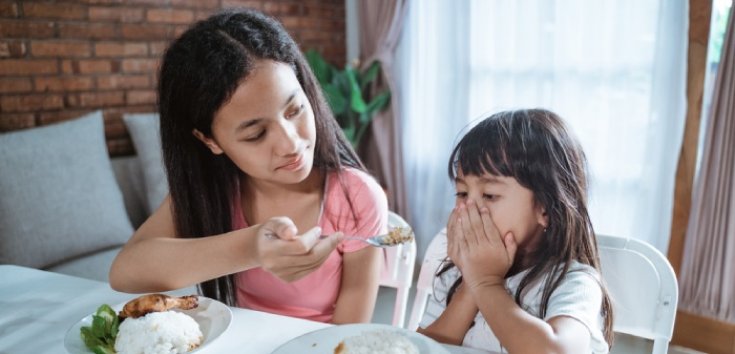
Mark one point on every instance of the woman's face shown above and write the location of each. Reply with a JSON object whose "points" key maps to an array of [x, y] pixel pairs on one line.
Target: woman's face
{"points": [[512, 206], [267, 128]]}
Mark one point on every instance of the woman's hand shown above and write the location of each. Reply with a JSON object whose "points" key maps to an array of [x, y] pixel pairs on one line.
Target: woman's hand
{"points": [[476, 246], [280, 251]]}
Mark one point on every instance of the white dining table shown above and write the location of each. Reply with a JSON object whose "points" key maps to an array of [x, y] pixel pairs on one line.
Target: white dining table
{"points": [[37, 308]]}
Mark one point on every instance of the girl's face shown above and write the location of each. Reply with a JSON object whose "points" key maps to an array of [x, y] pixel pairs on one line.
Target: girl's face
{"points": [[267, 127], [512, 206]]}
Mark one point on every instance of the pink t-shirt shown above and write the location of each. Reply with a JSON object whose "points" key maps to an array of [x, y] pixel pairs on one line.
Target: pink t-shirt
{"points": [[314, 296]]}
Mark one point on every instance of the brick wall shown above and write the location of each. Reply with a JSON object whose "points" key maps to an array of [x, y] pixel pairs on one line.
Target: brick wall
{"points": [[61, 59]]}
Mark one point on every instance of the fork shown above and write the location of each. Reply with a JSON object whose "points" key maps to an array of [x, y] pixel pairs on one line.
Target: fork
{"points": [[380, 241]]}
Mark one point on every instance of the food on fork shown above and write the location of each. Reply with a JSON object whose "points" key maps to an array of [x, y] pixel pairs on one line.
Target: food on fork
{"points": [[398, 235], [146, 304], [376, 342]]}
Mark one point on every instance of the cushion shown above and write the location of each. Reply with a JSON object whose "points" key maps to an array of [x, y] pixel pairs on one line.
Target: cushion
{"points": [[146, 134], [59, 196], [129, 176]]}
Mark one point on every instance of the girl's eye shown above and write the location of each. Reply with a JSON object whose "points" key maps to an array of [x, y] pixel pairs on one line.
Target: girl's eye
{"points": [[255, 137], [295, 112], [489, 196], [461, 195]]}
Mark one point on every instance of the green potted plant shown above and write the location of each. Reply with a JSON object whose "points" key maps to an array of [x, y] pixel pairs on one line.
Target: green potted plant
{"points": [[347, 92]]}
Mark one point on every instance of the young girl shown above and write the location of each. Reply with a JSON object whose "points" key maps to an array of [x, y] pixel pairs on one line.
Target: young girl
{"points": [[523, 269], [258, 170]]}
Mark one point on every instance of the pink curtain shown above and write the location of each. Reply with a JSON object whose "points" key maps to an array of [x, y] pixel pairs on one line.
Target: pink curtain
{"points": [[707, 283], [380, 27]]}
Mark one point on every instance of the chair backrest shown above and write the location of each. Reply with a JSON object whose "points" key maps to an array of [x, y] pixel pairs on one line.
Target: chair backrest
{"points": [[435, 254], [643, 289], [398, 270]]}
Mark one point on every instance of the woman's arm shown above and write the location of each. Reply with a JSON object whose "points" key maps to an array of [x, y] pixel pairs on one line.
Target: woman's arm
{"points": [[452, 325], [154, 259], [359, 288]]}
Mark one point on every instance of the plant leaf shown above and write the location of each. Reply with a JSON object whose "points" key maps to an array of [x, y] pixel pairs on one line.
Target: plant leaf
{"points": [[356, 102], [115, 328], [89, 339], [350, 133], [377, 104], [370, 74], [335, 98], [99, 326], [102, 349], [322, 70]]}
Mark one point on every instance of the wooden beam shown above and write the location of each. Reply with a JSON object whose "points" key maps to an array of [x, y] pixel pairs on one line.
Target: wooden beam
{"points": [[690, 330], [700, 12], [704, 334]]}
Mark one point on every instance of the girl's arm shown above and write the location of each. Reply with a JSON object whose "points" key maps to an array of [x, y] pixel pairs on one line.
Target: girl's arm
{"points": [[453, 323], [521, 332], [154, 259], [360, 275]]}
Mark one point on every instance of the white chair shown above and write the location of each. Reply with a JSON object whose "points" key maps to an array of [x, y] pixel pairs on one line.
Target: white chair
{"points": [[398, 270], [643, 289], [435, 254]]}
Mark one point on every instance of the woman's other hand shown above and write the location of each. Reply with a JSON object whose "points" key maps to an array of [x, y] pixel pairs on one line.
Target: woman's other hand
{"points": [[288, 255]]}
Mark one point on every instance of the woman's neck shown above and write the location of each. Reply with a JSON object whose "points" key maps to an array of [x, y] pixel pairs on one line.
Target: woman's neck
{"points": [[313, 183], [300, 202]]}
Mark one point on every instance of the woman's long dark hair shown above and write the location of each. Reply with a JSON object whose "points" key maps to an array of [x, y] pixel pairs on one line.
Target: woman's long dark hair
{"points": [[534, 147], [199, 73]]}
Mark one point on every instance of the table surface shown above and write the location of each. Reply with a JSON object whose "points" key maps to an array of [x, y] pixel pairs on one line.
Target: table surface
{"points": [[38, 307]]}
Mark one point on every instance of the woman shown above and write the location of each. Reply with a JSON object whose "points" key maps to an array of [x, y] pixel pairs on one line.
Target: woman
{"points": [[258, 171]]}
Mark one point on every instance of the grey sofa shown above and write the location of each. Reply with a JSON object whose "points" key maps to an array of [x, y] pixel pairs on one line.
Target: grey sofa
{"points": [[96, 265], [66, 206]]}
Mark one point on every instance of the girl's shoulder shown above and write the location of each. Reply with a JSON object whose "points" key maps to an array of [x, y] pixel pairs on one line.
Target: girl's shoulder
{"points": [[581, 270], [580, 279]]}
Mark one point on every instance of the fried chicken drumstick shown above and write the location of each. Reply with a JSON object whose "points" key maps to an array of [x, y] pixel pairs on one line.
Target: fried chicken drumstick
{"points": [[146, 304]]}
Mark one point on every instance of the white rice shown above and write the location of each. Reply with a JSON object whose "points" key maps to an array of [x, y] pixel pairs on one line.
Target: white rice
{"points": [[166, 332], [378, 342]]}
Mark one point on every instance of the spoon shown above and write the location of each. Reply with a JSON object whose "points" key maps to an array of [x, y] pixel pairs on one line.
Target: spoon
{"points": [[394, 237]]}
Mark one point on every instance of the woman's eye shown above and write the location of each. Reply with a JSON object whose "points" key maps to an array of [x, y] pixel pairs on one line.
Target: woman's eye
{"points": [[461, 195], [255, 137], [295, 111], [489, 196]]}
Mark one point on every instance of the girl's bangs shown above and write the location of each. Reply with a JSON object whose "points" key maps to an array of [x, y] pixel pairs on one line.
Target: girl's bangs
{"points": [[478, 154]]}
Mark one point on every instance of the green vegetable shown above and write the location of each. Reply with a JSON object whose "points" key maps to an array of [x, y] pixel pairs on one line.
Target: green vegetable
{"points": [[100, 336]]}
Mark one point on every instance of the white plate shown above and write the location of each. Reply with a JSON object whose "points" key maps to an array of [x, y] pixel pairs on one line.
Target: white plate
{"points": [[323, 341], [212, 316]]}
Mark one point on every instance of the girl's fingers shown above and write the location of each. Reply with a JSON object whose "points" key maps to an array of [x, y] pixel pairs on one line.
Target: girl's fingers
{"points": [[452, 220], [451, 232], [490, 230], [476, 221], [468, 235], [511, 246]]}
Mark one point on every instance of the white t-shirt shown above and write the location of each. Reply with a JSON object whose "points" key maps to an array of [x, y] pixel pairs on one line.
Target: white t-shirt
{"points": [[579, 296]]}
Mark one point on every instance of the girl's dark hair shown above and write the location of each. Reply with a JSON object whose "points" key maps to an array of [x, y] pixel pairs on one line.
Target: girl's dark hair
{"points": [[199, 73], [535, 147]]}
